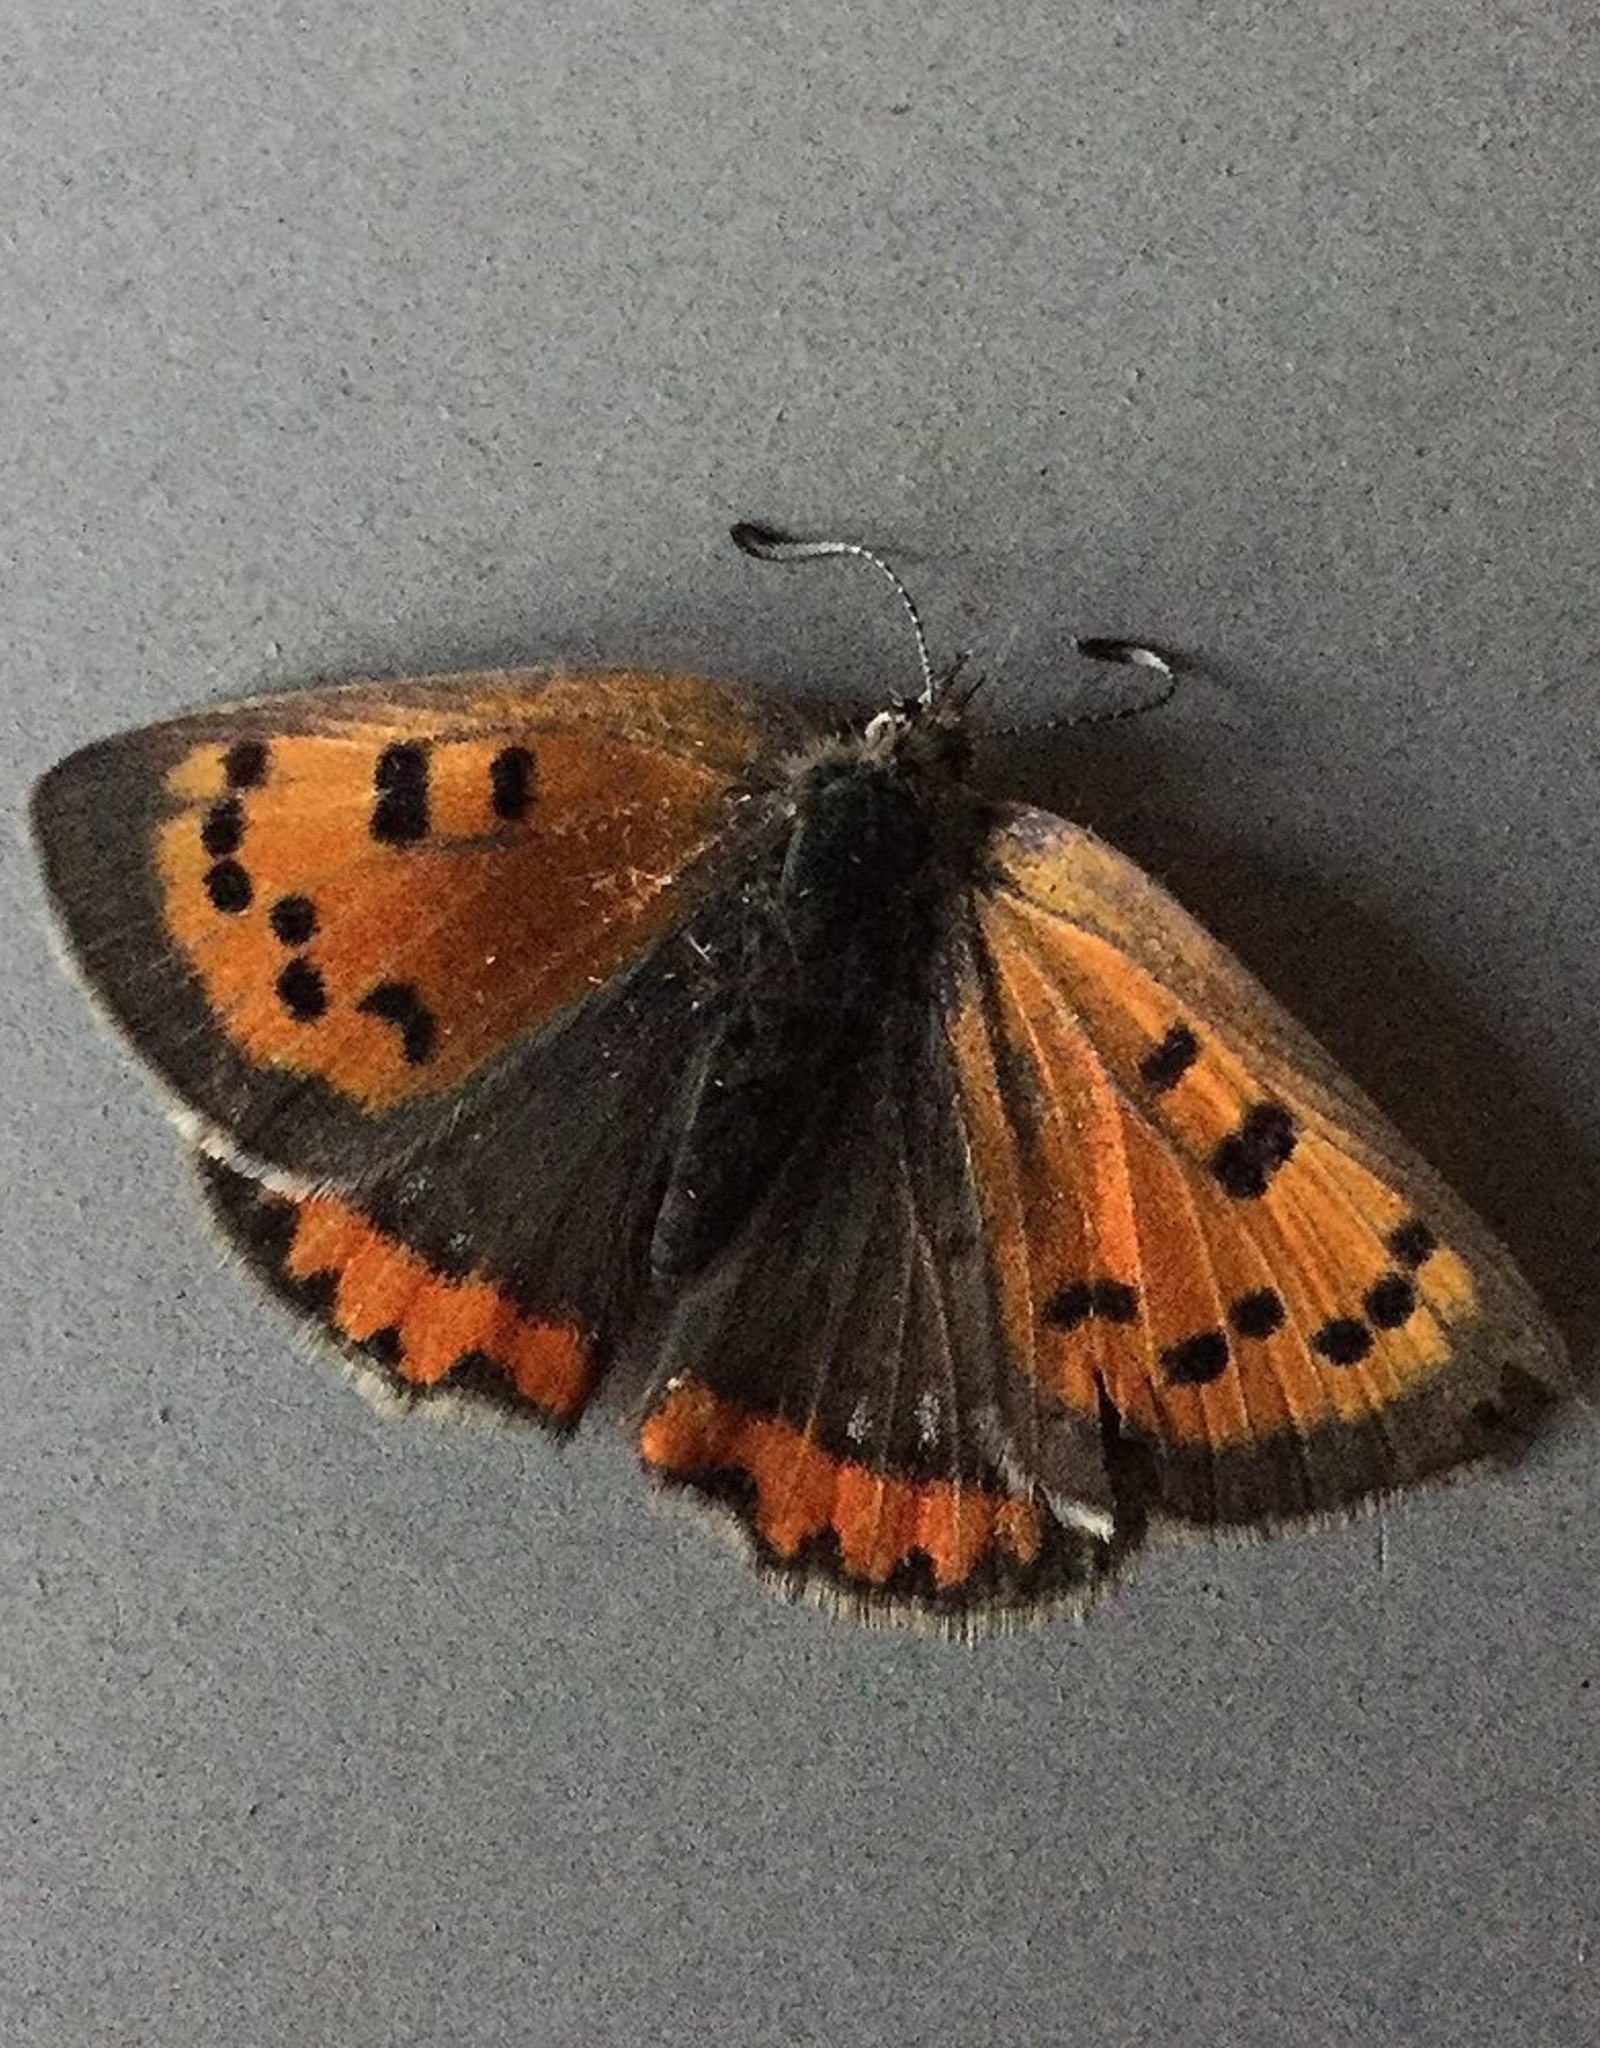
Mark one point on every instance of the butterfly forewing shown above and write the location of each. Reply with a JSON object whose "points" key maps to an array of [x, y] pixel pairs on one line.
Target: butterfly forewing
{"points": [[1198, 1221], [839, 1380], [318, 915]]}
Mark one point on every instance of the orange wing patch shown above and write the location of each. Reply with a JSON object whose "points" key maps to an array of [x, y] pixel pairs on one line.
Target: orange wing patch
{"points": [[879, 1521], [426, 1330], [385, 900]]}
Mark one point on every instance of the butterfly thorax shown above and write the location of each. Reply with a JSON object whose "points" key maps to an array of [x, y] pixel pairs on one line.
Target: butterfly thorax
{"points": [[836, 943]]}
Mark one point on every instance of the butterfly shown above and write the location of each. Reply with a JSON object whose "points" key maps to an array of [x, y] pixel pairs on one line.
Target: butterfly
{"points": [[926, 1192]]}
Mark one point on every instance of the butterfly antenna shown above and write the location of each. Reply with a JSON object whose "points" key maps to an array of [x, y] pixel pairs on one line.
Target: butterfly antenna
{"points": [[767, 544], [1132, 654]]}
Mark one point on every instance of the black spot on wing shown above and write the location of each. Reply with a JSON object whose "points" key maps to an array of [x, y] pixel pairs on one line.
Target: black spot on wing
{"points": [[1165, 1066], [229, 887], [1390, 1301], [1112, 1301], [512, 778], [400, 780], [1412, 1243], [1197, 1360], [1257, 1315], [397, 1003], [301, 991], [1343, 1341], [293, 920], [1245, 1162], [227, 882], [1069, 1306], [245, 764], [222, 832]]}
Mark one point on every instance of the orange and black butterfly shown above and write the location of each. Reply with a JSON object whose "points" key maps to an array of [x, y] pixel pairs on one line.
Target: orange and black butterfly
{"points": [[923, 1186]]}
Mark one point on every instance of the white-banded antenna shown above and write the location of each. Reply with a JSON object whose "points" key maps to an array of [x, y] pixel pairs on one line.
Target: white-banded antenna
{"points": [[1131, 654], [767, 544]]}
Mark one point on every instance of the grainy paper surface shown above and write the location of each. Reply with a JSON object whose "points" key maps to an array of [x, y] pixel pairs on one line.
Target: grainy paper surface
{"points": [[335, 344]]}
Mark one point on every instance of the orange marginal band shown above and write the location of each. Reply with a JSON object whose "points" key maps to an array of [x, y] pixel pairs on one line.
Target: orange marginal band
{"points": [[434, 1322], [879, 1520]]}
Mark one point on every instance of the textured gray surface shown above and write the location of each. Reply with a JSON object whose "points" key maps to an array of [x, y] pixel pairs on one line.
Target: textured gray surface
{"points": [[331, 343]]}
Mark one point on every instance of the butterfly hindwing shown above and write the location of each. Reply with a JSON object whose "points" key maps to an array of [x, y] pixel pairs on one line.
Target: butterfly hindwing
{"points": [[317, 916], [838, 1381], [413, 1333], [1200, 1224]]}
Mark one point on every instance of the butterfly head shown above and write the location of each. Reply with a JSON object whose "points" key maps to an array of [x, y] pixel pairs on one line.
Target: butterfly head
{"points": [[920, 736]]}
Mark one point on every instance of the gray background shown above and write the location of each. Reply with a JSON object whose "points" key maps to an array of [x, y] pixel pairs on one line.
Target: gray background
{"points": [[462, 330]]}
